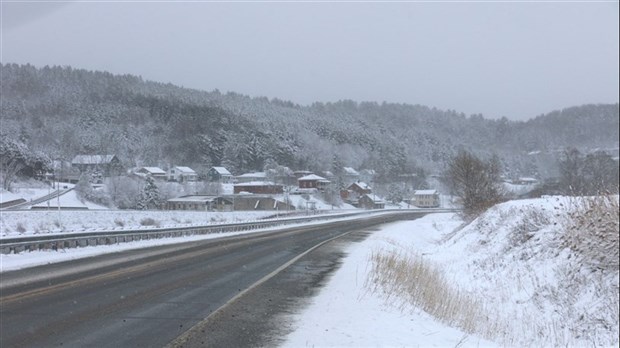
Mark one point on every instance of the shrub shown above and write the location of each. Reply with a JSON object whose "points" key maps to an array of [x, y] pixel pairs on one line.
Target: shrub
{"points": [[20, 228], [149, 222]]}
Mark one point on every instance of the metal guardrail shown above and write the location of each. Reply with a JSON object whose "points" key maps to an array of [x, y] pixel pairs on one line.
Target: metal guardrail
{"points": [[82, 239]]}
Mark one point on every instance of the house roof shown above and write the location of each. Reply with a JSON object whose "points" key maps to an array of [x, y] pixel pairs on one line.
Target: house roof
{"points": [[92, 159], [375, 199], [424, 192], [312, 177], [253, 175], [362, 185], [257, 183], [186, 170], [221, 170], [193, 198], [154, 170]]}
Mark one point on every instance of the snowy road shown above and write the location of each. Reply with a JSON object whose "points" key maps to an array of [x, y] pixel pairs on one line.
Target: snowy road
{"points": [[146, 297]]}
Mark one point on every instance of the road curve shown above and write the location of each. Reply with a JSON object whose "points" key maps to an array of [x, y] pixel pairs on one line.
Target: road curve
{"points": [[148, 297]]}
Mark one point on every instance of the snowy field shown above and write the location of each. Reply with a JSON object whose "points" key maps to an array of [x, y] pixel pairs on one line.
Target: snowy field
{"points": [[22, 223]]}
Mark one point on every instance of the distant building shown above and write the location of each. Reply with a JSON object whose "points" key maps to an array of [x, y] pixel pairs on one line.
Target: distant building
{"points": [[182, 174], [105, 165], [154, 172], [200, 203], [360, 188], [251, 177], [425, 199], [259, 202], [313, 181], [258, 187], [369, 201], [219, 174]]}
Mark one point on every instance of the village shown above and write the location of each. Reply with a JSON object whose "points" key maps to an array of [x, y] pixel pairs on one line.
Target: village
{"points": [[218, 190]]}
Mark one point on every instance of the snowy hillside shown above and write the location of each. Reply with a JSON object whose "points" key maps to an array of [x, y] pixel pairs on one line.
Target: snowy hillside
{"points": [[540, 272], [516, 277]]}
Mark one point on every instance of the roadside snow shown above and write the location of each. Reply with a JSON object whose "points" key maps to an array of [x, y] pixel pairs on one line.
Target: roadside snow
{"points": [[534, 290], [346, 314], [24, 223], [513, 258]]}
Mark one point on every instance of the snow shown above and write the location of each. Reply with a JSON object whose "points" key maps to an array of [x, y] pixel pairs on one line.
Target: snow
{"points": [[533, 289], [25, 193], [69, 200], [24, 223], [346, 314]]}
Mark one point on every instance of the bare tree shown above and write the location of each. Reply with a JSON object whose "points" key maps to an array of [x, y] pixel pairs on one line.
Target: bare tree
{"points": [[475, 181]]}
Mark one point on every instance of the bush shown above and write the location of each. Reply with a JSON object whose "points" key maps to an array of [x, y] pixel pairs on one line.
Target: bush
{"points": [[149, 222]]}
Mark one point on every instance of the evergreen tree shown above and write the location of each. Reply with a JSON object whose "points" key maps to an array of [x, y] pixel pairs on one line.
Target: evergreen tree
{"points": [[149, 197]]}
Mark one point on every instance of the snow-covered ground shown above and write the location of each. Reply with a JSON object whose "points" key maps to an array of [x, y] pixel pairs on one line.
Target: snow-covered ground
{"points": [[23, 223], [533, 287], [346, 314]]}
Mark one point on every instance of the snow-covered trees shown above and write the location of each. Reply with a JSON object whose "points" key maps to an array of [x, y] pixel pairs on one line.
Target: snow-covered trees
{"points": [[149, 196], [595, 173], [16, 157], [70, 111]]}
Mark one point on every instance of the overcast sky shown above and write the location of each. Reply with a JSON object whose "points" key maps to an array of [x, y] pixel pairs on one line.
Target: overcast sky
{"points": [[513, 59]]}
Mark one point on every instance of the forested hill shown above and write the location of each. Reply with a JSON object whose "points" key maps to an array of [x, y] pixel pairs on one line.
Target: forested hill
{"points": [[64, 112]]}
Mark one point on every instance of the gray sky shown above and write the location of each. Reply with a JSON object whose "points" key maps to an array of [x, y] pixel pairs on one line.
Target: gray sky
{"points": [[513, 59]]}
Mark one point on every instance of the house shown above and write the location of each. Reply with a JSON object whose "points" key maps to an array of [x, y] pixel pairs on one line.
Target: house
{"points": [[200, 203], [258, 187], [251, 177], [259, 202], [313, 181], [354, 191], [153, 172], [182, 174], [359, 188], [369, 201], [425, 199], [104, 165], [219, 174]]}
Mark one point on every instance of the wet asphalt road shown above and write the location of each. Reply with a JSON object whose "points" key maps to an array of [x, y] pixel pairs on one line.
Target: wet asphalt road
{"points": [[148, 298]]}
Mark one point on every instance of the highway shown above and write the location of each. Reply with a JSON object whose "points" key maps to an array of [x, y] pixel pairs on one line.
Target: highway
{"points": [[147, 297]]}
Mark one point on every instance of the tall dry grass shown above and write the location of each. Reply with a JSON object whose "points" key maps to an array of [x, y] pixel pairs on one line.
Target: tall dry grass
{"points": [[408, 280], [592, 231]]}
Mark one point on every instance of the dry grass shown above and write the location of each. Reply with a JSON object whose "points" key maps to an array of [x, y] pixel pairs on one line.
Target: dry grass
{"points": [[410, 280], [592, 231]]}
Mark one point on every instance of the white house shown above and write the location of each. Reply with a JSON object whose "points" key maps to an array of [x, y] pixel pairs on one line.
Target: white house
{"points": [[154, 172], [425, 199], [182, 174]]}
